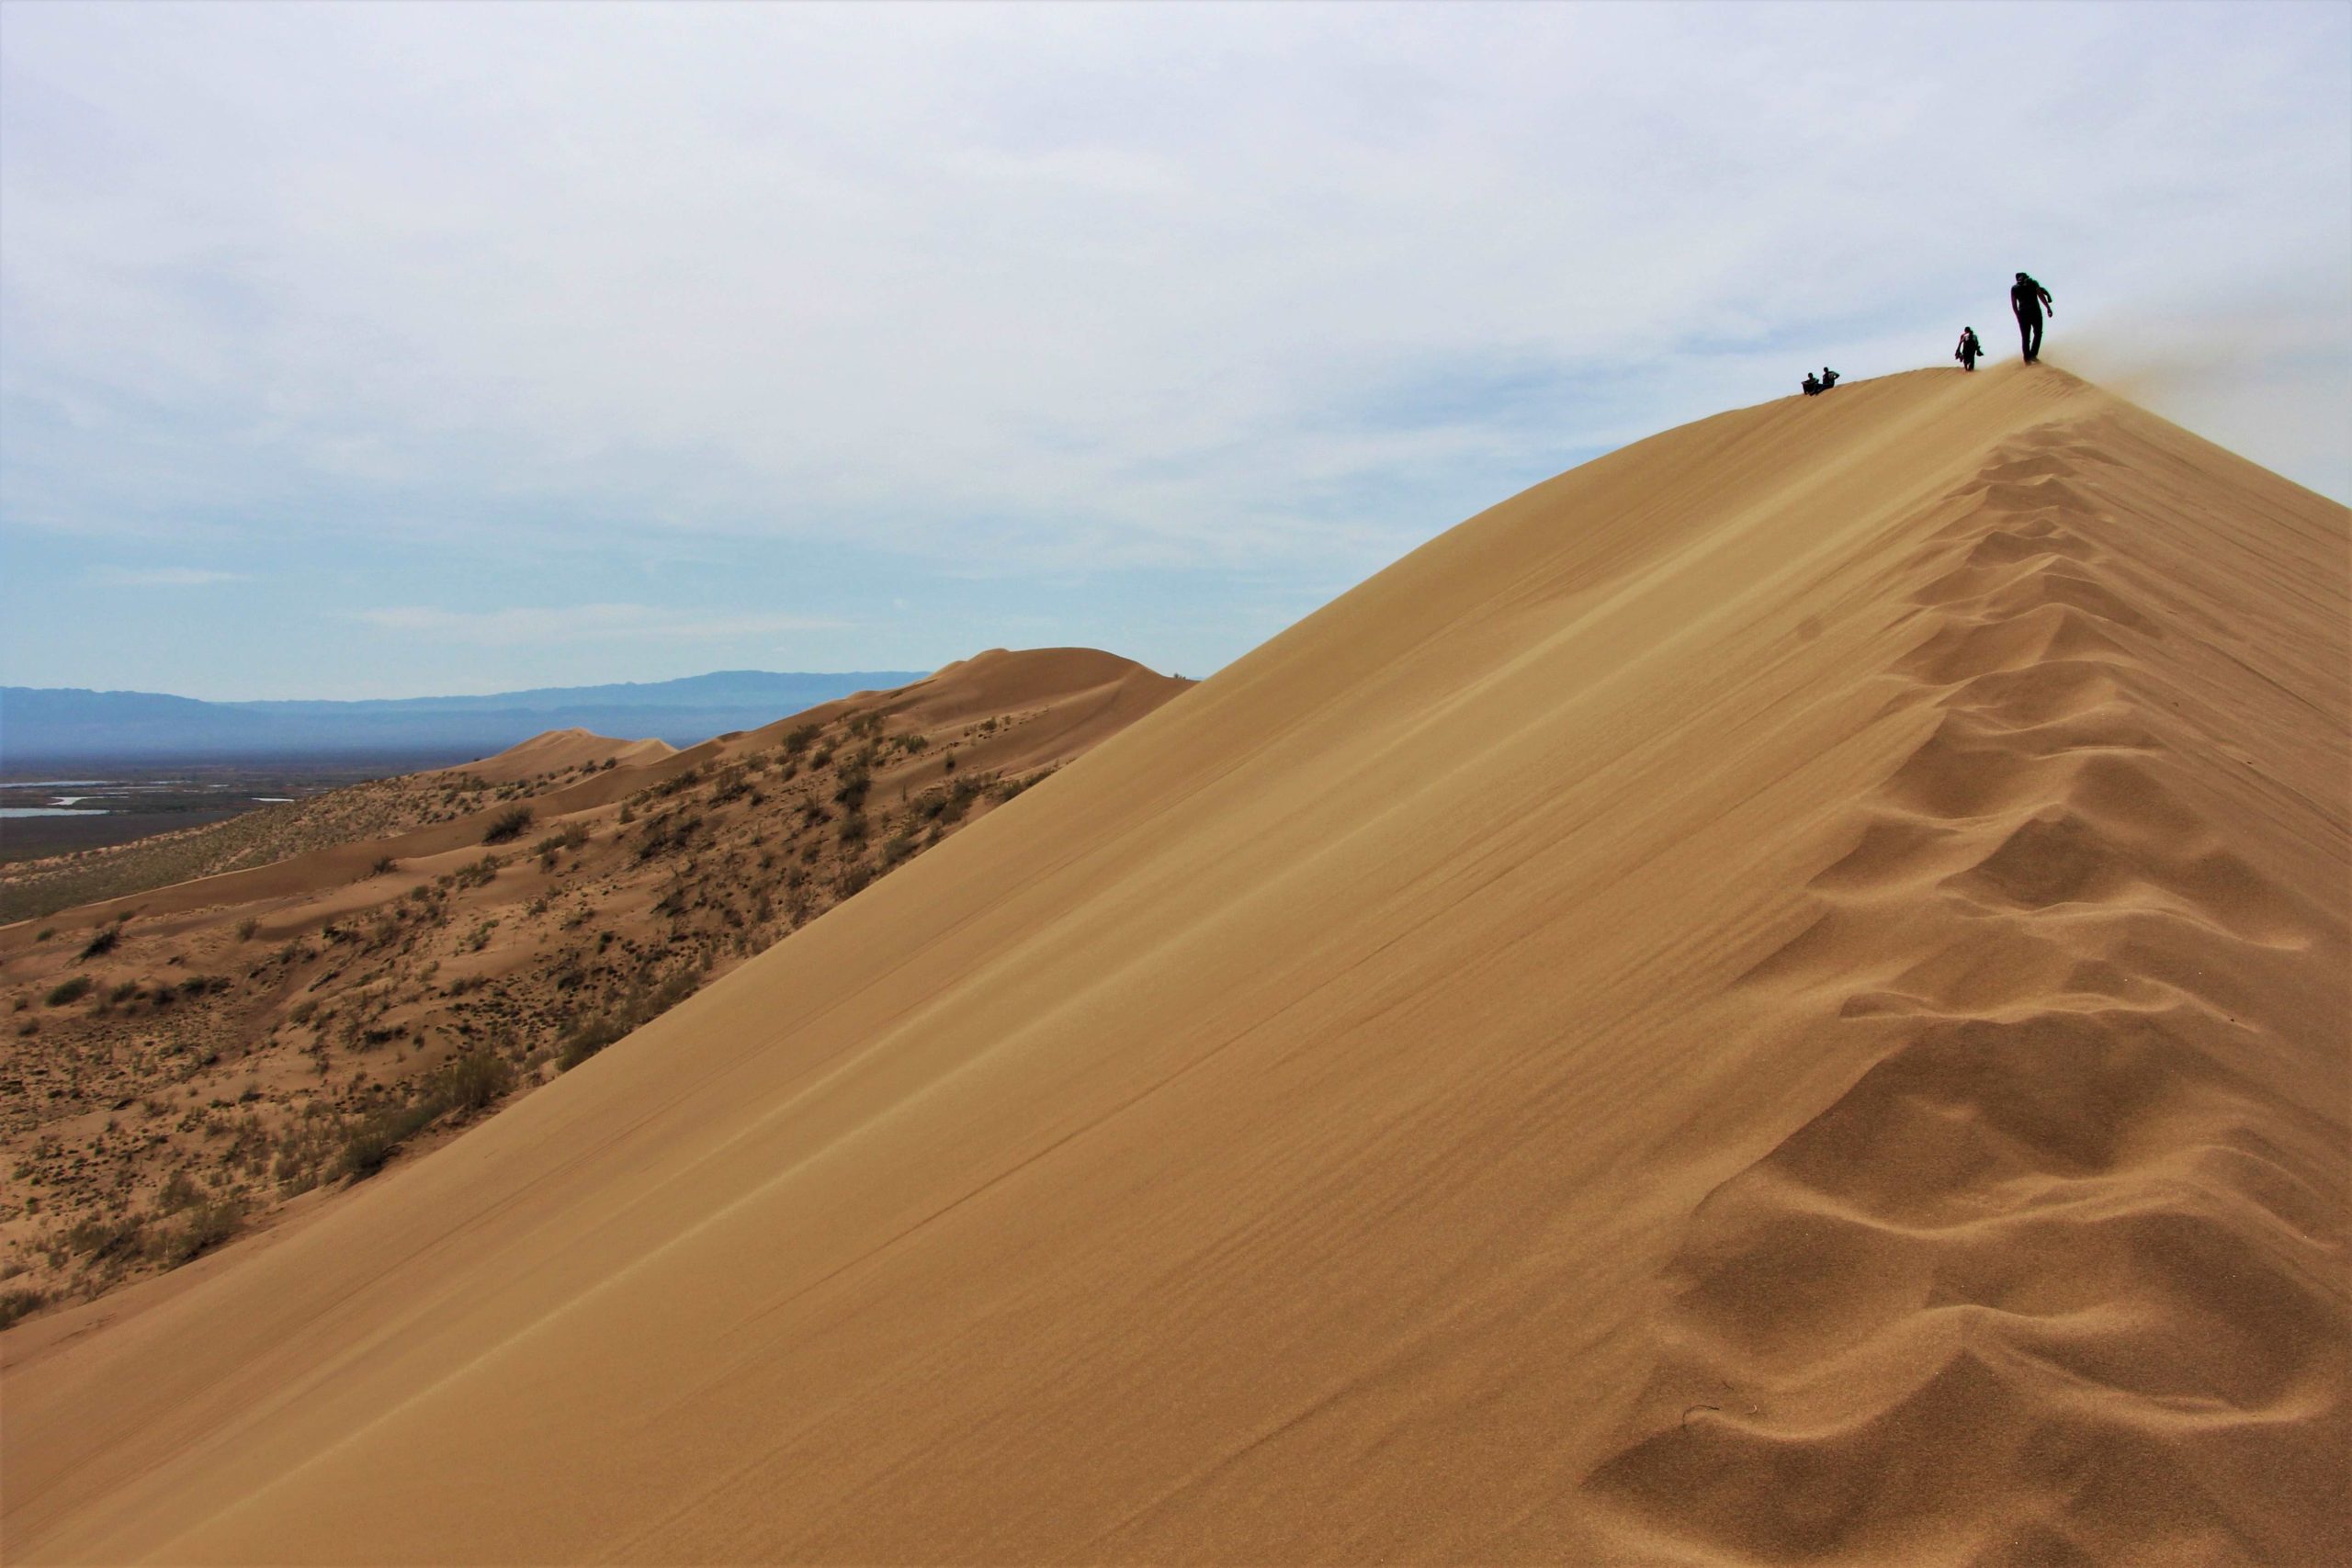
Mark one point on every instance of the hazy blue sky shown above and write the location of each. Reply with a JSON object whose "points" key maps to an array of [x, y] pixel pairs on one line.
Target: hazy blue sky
{"points": [[355, 351]]}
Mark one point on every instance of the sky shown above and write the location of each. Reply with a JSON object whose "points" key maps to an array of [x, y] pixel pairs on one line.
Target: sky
{"points": [[358, 351]]}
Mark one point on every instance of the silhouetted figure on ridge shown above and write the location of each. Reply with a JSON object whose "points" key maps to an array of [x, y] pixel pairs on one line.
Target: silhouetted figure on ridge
{"points": [[1828, 378], [2028, 300], [1968, 349], [1811, 385]]}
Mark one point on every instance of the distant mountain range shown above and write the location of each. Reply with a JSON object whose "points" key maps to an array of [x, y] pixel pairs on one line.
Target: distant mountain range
{"points": [[44, 724]]}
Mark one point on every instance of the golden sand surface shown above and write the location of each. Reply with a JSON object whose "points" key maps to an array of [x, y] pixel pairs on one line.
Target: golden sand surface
{"points": [[1777, 996]]}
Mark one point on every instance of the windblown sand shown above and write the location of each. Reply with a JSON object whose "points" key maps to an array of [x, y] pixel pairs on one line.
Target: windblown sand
{"points": [[1779, 996]]}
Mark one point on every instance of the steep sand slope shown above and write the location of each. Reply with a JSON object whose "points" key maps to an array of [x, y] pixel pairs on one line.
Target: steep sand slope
{"points": [[1778, 996]]}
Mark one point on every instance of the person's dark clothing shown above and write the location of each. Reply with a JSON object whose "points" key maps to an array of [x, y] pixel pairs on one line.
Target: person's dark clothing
{"points": [[2027, 301], [1811, 385], [1828, 378], [1969, 348]]}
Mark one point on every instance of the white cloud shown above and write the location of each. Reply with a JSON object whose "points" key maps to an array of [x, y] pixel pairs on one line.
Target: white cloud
{"points": [[1121, 316], [1080, 286], [527, 627]]}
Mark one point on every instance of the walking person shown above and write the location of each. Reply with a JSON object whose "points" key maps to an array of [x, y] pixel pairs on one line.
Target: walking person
{"points": [[2028, 300], [1968, 349]]}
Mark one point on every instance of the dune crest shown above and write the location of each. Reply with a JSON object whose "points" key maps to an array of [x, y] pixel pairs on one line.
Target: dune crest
{"points": [[1777, 996]]}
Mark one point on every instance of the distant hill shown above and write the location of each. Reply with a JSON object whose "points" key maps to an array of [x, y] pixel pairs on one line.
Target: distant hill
{"points": [[39, 724]]}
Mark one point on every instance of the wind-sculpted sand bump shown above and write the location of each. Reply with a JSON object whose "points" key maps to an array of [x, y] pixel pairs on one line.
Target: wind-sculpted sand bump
{"points": [[1777, 998], [2050, 1247]]}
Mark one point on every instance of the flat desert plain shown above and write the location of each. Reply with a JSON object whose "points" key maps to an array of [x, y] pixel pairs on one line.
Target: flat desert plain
{"points": [[1779, 997]]}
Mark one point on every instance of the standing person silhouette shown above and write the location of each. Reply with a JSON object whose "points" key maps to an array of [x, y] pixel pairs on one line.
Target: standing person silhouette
{"points": [[1969, 349], [2028, 300]]}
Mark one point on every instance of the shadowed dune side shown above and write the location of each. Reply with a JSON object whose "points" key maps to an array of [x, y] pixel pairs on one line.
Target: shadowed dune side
{"points": [[1776, 996]]}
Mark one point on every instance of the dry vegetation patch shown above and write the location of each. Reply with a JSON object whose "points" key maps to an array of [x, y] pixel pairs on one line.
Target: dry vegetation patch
{"points": [[175, 1080]]}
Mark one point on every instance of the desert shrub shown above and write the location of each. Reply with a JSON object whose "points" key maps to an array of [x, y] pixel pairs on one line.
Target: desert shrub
{"points": [[797, 740], [950, 805], [853, 879], [854, 829], [895, 849], [180, 1192], [102, 942], [574, 836], [17, 1303], [866, 725], [667, 833], [643, 1003], [507, 825], [101, 1238], [377, 1136], [386, 864], [476, 1081], [66, 991], [246, 927], [205, 1228], [855, 783], [477, 874]]}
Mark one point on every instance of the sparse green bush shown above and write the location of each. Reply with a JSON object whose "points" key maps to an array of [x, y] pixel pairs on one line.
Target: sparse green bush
{"points": [[18, 1304], [384, 866], [66, 991], [246, 927], [507, 825], [895, 849], [797, 740], [102, 943]]}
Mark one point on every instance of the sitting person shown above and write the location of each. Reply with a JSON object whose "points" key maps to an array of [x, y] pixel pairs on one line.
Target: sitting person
{"points": [[1811, 385], [1828, 378], [1968, 349]]}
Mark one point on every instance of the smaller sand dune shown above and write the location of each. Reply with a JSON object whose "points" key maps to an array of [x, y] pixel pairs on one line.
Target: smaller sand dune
{"points": [[562, 751]]}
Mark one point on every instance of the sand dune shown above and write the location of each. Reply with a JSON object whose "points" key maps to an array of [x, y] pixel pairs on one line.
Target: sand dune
{"points": [[558, 750], [205, 1067], [1779, 997]]}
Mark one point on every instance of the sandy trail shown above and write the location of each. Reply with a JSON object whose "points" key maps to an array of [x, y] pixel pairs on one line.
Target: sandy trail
{"points": [[1777, 996]]}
